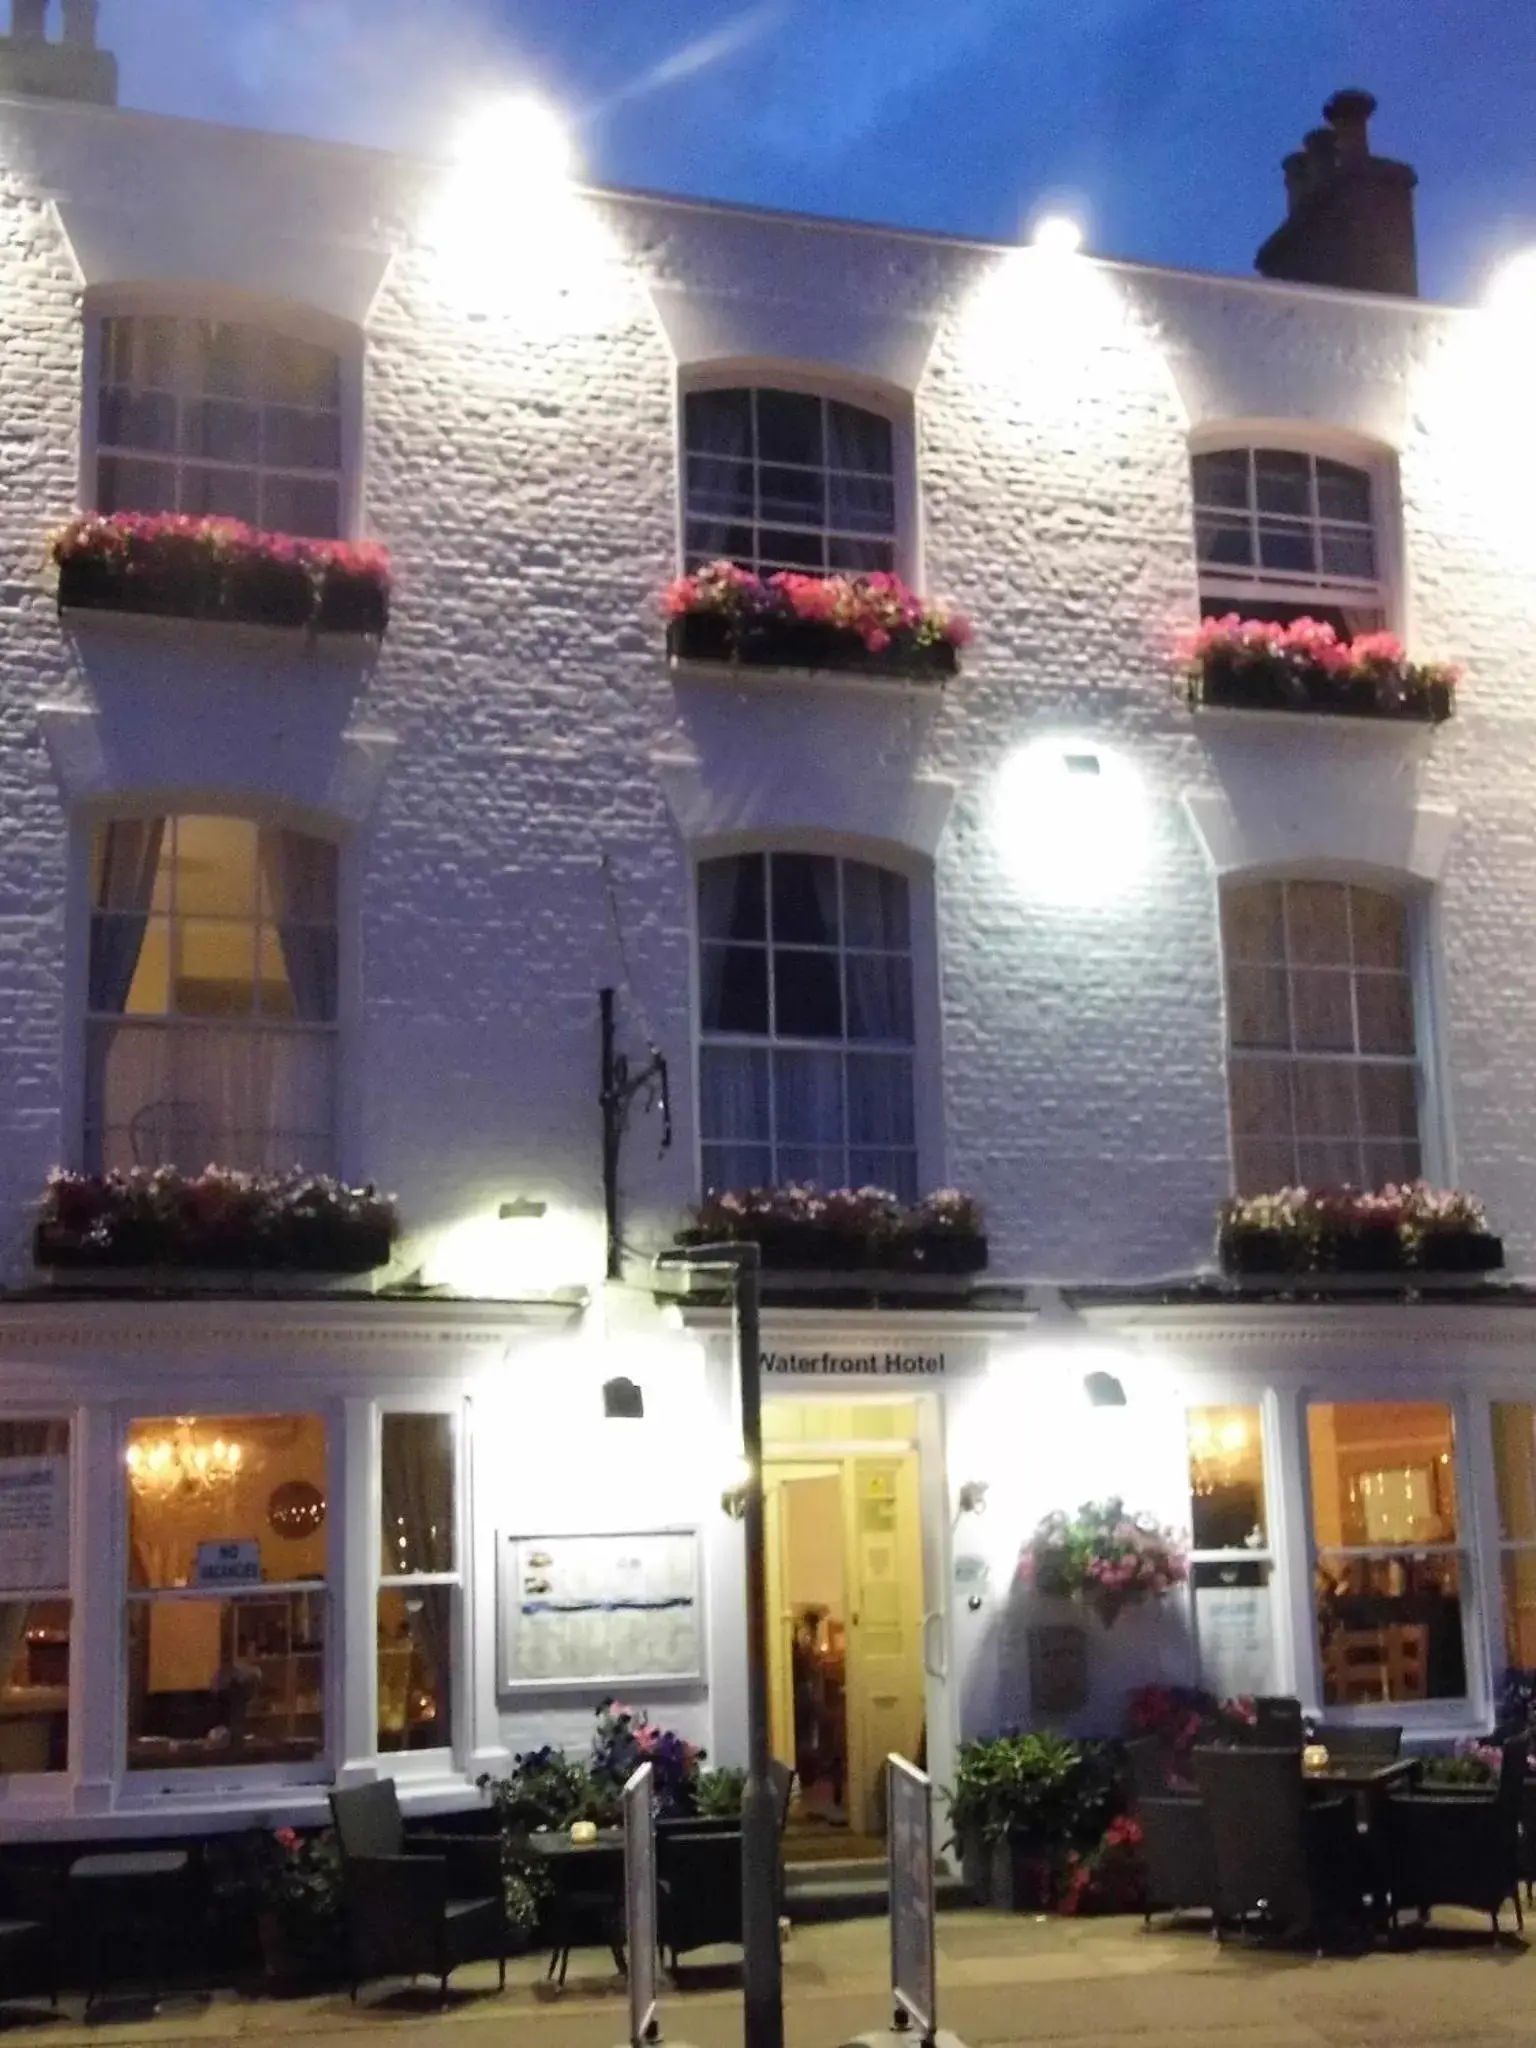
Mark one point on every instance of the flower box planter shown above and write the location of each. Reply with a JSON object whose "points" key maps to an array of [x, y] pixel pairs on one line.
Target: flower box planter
{"points": [[952, 1252], [160, 1222], [1272, 1253], [747, 642], [1277, 685], [168, 566]]}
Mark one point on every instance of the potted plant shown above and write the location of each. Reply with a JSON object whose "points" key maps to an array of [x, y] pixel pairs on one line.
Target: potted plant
{"points": [[1103, 1556], [1397, 1229], [845, 1230], [217, 1220], [298, 1916], [1025, 1809], [943, 1233], [178, 566], [869, 624], [1262, 665]]}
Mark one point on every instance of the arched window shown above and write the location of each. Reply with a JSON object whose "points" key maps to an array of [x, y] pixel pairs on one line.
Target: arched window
{"points": [[1281, 533], [219, 416], [805, 1061], [212, 1000], [787, 480], [1323, 1063]]}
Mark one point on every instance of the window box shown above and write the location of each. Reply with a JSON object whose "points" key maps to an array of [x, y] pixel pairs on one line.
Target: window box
{"points": [[175, 567], [715, 638], [859, 625], [803, 1230], [1400, 1230], [1257, 665], [220, 1221]]}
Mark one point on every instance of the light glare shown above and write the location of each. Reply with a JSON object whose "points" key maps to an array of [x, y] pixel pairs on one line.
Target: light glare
{"points": [[517, 139], [1058, 235], [1512, 291]]}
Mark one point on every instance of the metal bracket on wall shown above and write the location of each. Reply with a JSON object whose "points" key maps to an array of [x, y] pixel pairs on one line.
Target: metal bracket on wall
{"points": [[619, 1086]]}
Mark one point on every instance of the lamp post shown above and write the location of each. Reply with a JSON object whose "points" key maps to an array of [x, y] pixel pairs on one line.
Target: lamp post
{"points": [[762, 1974]]}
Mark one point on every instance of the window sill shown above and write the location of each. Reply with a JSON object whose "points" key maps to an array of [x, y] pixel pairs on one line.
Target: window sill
{"points": [[763, 681]]}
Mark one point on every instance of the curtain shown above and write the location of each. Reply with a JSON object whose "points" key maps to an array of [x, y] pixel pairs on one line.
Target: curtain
{"points": [[301, 874], [256, 1097], [416, 1535], [125, 887], [719, 507], [863, 503]]}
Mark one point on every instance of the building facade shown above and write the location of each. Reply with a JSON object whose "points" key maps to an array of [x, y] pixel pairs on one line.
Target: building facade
{"points": [[1046, 934]]}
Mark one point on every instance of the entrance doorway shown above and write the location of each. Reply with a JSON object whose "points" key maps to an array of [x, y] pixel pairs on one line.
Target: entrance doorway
{"points": [[845, 1604]]}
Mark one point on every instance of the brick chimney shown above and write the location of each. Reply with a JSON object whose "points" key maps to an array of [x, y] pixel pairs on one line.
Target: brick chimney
{"points": [[1350, 214], [71, 69]]}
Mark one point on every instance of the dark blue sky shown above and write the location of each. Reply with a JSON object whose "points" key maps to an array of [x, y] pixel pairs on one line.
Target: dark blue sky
{"points": [[1164, 119]]}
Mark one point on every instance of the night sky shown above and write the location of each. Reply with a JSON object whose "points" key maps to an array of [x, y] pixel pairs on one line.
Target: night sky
{"points": [[1162, 121]]}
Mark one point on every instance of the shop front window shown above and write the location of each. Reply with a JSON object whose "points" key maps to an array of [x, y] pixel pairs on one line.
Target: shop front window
{"points": [[1230, 1561], [227, 1592], [1387, 1567], [1514, 1465], [34, 1597], [418, 1580]]}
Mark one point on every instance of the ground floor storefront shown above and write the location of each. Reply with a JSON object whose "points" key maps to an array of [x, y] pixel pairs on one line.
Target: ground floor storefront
{"points": [[252, 1549]]}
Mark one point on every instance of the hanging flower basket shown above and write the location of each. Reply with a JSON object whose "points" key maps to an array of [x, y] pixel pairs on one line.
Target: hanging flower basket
{"points": [[170, 566], [1104, 1557], [856, 625], [1258, 665], [845, 1230], [217, 1220], [1409, 1229]]}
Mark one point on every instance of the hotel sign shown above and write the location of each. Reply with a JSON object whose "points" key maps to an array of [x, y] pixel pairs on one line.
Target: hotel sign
{"points": [[913, 1365]]}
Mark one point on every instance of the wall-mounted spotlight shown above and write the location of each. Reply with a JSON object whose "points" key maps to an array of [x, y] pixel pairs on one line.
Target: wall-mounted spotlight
{"points": [[522, 1209], [972, 1497], [623, 1401], [733, 1498], [1103, 1390]]}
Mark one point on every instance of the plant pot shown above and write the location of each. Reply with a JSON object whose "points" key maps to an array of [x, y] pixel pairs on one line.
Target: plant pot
{"points": [[353, 604], [1375, 1248], [1260, 684], [935, 1251], [319, 1247], [1110, 1602], [269, 593], [1247, 1250], [1461, 1251], [800, 1247], [804, 644]]}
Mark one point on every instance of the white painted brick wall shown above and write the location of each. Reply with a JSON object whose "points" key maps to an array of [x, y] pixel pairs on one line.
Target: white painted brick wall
{"points": [[522, 469]]}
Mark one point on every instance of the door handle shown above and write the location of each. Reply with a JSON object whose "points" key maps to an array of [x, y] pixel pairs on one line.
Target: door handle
{"points": [[936, 1668]]}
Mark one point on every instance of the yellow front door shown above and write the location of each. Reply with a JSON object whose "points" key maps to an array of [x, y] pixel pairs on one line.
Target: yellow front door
{"points": [[884, 1566]]}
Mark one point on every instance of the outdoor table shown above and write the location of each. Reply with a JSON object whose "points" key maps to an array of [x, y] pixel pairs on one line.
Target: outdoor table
{"points": [[1369, 1784], [587, 1893], [127, 1893]]}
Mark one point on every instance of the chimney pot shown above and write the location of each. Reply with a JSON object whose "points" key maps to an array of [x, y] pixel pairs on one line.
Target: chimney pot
{"points": [[80, 23], [1348, 114], [29, 20], [1349, 219]]}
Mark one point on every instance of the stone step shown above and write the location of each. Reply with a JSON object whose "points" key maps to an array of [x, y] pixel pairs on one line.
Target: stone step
{"points": [[849, 1889]]}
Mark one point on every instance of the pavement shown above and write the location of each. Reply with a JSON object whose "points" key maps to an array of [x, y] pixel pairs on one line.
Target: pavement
{"points": [[1003, 1980]]}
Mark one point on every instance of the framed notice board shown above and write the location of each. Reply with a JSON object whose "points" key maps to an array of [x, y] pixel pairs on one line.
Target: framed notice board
{"points": [[593, 1610]]}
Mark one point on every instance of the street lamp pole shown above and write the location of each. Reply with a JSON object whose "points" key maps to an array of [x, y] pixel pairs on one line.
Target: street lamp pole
{"points": [[762, 1972]]}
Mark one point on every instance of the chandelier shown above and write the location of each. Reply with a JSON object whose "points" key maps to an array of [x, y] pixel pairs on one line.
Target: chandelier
{"points": [[1218, 1450], [182, 1465]]}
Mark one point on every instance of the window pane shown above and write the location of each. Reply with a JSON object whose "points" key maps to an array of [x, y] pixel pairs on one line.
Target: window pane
{"points": [[1384, 1003], [705, 542], [731, 898], [1390, 1629], [215, 867], [796, 497], [880, 997], [1383, 1473], [805, 899], [1283, 481], [807, 998], [1379, 929], [1261, 1098], [136, 419], [1514, 1466], [301, 373], [1257, 1010], [720, 488], [1253, 923], [1393, 1161], [880, 1106], [296, 505], [221, 430], [1329, 1163], [1347, 554], [1260, 1165], [1221, 477], [863, 556], [221, 493], [734, 992], [780, 547], [1388, 1102], [215, 1683], [416, 1455], [1226, 1478], [1321, 1011], [34, 1685], [718, 422], [861, 504], [124, 485], [1317, 923], [736, 1166], [857, 439], [292, 439], [1234, 1629], [1326, 1098], [1517, 1570], [788, 427], [733, 1093], [1289, 550], [875, 907], [229, 358], [1343, 492], [870, 1167], [808, 1098], [1224, 543], [824, 1166], [415, 1667], [246, 1479]]}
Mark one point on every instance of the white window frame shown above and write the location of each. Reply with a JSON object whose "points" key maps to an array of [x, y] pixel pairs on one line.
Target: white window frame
{"points": [[427, 1763], [927, 1129], [195, 302], [25, 1786], [1471, 1476], [1234, 588], [1271, 1553], [1420, 983], [142, 1785], [170, 1021], [892, 406]]}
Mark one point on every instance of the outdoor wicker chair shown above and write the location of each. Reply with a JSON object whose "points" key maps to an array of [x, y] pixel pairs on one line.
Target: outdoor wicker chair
{"points": [[1283, 1858], [1460, 1849]]}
